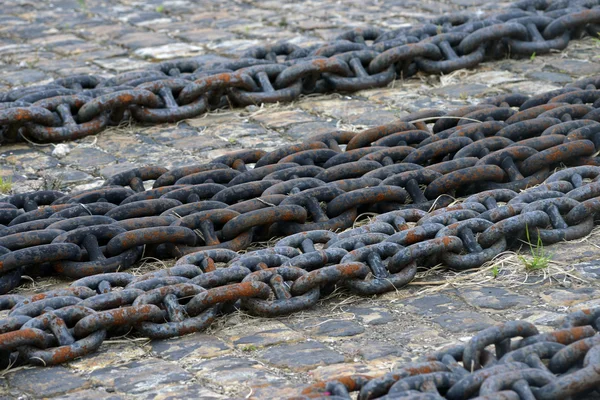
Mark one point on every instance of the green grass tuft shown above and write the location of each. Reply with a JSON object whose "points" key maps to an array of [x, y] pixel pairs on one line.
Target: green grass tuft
{"points": [[495, 271], [5, 185], [539, 258]]}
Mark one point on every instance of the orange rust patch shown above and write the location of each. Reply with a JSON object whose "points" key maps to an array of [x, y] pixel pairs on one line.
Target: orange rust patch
{"points": [[63, 354], [126, 97]]}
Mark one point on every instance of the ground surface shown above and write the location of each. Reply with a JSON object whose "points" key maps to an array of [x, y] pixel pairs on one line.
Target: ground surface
{"points": [[241, 356]]}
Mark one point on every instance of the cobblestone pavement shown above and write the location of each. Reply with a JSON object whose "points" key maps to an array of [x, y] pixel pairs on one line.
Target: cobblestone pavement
{"points": [[242, 356]]}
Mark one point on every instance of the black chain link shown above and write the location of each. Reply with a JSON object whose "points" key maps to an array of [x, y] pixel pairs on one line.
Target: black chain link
{"points": [[408, 173], [76, 106], [505, 168], [523, 364]]}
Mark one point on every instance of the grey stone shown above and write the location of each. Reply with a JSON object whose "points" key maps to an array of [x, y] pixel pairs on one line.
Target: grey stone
{"points": [[541, 317], [140, 376], [373, 118], [267, 338], [371, 315], [205, 35], [301, 132], [350, 111], [198, 344], [114, 169], [120, 64], [166, 136], [461, 90], [45, 382], [167, 51], [223, 370], [430, 305], [86, 157], [464, 321], [337, 328], [574, 67], [234, 47], [469, 3], [494, 298], [572, 252], [91, 394], [590, 269], [187, 391], [570, 297], [28, 160], [23, 77], [301, 356], [106, 52], [145, 18], [552, 77], [124, 146], [373, 349], [65, 177], [139, 40], [200, 143], [282, 119]]}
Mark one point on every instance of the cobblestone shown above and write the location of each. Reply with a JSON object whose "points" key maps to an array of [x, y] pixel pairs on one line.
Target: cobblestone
{"points": [[494, 298], [139, 376], [244, 357], [193, 346], [464, 321], [46, 382]]}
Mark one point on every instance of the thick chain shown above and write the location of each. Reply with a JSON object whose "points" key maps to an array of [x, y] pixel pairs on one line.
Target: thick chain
{"points": [[506, 169], [408, 174], [76, 106], [522, 364]]}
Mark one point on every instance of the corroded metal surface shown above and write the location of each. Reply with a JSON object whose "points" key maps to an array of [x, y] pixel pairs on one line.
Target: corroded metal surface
{"points": [[263, 358]]}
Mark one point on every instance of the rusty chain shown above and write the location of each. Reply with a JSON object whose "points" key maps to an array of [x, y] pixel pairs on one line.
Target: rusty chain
{"points": [[76, 106], [507, 170], [522, 364]]}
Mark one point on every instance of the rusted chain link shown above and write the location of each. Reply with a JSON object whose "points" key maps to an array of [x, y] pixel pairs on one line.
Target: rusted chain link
{"points": [[362, 58], [305, 200], [510, 361]]}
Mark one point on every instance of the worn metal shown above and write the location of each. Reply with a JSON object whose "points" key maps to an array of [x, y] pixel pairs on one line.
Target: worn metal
{"points": [[304, 200], [501, 362], [362, 58]]}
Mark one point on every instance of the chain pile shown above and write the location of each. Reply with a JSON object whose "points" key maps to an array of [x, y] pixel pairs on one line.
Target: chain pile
{"points": [[563, 364], [76, 106], [311, 194]]}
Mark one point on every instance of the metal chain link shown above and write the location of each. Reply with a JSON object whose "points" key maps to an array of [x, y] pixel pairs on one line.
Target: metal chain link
{"points": [[508, 170], [76, 106], [522, 364], [408, 174]]}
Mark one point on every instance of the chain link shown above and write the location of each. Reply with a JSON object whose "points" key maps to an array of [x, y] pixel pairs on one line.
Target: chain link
{"points": [[407, 174], [524, 364], [77, 106], [508, 168]]}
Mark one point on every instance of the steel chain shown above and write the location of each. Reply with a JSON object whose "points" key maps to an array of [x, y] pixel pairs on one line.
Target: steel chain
{"points": [[312, 194], [407, 173], [76, 106], [522, 364]]}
